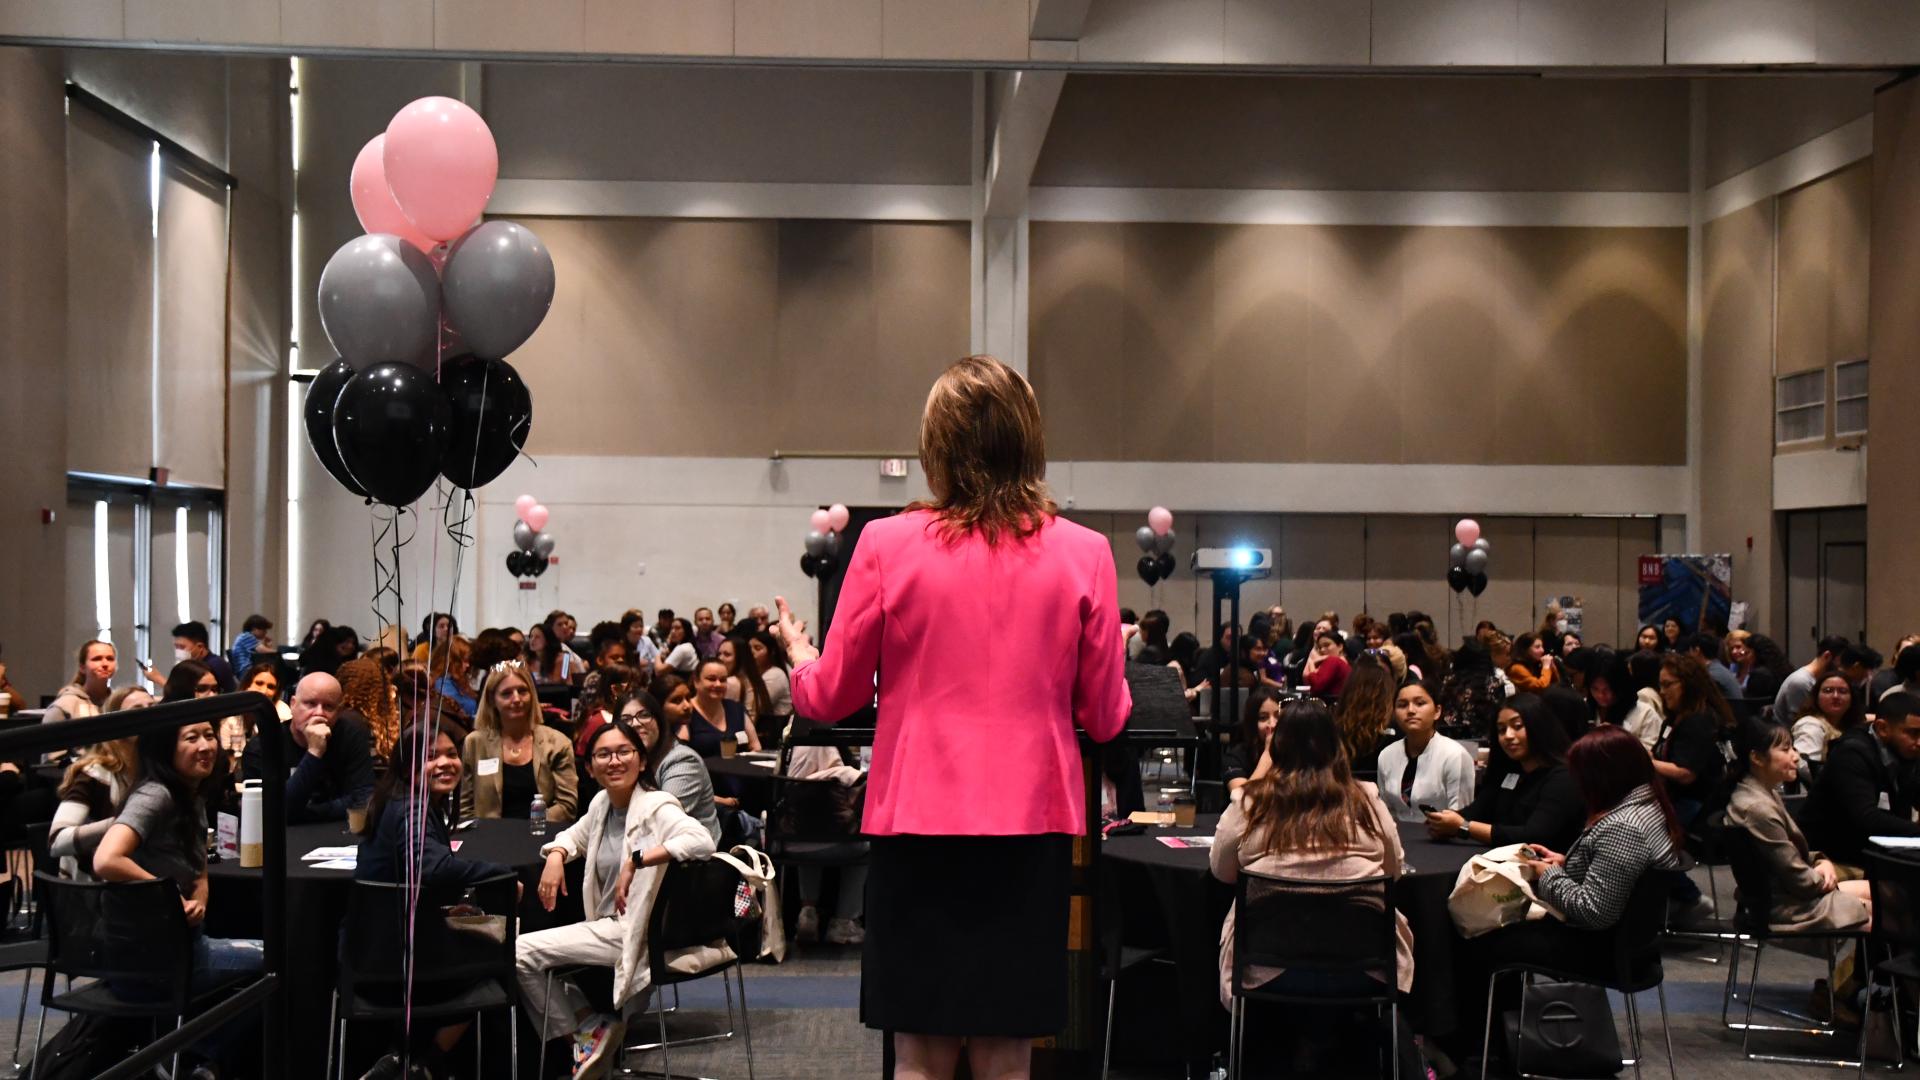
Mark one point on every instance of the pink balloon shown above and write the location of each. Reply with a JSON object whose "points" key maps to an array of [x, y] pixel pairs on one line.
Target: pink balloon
{"points": [[373, 203], [441, 164], [837, 517], [821, 521], [536, 517], [1160, 519], [1466, 531], [523, 504]]}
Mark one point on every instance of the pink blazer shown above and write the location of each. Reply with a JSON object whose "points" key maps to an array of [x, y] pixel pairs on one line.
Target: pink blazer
{"points": [[986, 659]]}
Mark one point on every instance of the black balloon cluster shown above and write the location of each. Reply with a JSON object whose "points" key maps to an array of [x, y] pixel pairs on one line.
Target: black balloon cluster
{"points": [[421, 389], [1467, 566], [823, 553], [1156, 564], [534, 548]]}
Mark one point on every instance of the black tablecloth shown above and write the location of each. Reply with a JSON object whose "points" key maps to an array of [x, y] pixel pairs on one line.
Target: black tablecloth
{"points": [[761, 766], [1140, 872], [316, 903]]}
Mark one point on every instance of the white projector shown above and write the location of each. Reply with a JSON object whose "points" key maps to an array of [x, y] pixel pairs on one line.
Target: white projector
{"points": [[1249, 562]]}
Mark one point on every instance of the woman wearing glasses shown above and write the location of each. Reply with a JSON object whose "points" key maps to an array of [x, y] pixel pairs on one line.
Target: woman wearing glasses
{"points": [[511, 756], [673, 765], [630, 831]]}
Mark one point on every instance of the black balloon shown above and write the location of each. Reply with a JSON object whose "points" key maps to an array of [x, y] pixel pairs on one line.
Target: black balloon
{"points": [[806, 565], [1149, 568], [513, 563], [535, 565], [1456, 579], [823, 565], [1477, 584], [492, 413], [391, 426], [1165, 565], [324, 391]]}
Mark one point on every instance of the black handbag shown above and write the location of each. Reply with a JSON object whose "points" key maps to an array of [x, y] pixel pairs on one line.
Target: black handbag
{"points": [[1568, 1031]]}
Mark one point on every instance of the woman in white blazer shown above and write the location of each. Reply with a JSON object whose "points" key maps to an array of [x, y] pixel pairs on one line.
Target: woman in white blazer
{"points": [[627, 836]]}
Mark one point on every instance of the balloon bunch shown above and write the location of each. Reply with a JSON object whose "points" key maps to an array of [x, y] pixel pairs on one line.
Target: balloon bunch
{"points": [[534, 546], [1467, 559], [823, 540], [1156, 539], [422, 310]]}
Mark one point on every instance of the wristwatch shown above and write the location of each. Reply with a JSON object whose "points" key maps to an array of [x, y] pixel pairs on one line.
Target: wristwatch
{"points": [[1466, 828]]}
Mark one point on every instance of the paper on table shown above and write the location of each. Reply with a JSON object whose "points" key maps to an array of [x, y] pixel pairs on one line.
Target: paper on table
{"points": [[1897, 842], [348, 852], [1202, 842], [337, 864], [764, 764]]}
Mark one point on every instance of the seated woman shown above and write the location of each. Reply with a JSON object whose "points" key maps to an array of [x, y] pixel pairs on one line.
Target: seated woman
{"points": [[678, 655], [449, 668], [1826, 716], [1807, 892], [1526, 795], [87, 694], [1471, 694], [771, 658], [714, 720], [161, 834], [1532, 667], [745, 686], [510, 757], [1425, 768], [91, 793], [1365, 714], [1613, 699], [1688, 755], [672, 764], [366, 691], [1325, 672], [1247, 758], [1754, 678], [1308, 818], [630, 831], [812, 817]]}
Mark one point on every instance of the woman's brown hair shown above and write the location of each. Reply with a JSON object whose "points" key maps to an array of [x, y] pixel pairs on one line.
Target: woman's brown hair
{"points": [[984, 453], [1697, 692], [1310, 799], [1366, 708]]}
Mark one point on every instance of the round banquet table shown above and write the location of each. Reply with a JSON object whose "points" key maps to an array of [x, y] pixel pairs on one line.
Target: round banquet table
{"points": [[317, 901], [1140, 873], [762, 766]]}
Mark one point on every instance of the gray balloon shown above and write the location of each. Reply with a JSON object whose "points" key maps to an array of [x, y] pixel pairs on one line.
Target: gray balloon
{"points": [[498, 285], [1144, 537], [523, 536], [816, 544], [1456, 555], [1476, 562], [543, 545], [1163, 543], [1482, 545], [833, 543], [380, 302]]}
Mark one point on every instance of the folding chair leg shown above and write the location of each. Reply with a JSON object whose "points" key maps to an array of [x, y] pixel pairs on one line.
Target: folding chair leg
{"points": [[20, 1022], [39, 1031], [1633, 1032], [340, 1063], [479, 1035], [1234, 1050], [1753, 987], [1393, 1037], [746, 1022], [1486, 1032], [333, 1021], [1666, 1029], [513, 1040], [540, 1025], [178, 1023], [1520, 1044], [1106, 1044], [666, 1052]]}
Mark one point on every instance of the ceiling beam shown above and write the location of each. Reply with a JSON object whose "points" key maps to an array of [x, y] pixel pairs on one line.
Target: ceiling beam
{"points": [[1024, 103], [1058, 20]]}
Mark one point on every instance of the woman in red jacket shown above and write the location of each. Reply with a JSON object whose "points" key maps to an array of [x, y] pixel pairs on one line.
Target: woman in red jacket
{"points": [[976, 790]]}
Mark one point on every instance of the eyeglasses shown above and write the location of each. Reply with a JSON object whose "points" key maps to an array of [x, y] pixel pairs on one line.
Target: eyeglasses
{"points": [[617, 753]]}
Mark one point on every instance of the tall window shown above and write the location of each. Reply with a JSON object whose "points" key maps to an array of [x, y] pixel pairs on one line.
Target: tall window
{"points": [[1850, 398], [1800, 407]]}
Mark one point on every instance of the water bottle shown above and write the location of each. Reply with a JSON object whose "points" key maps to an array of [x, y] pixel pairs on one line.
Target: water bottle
{"points": [[537, 816]]}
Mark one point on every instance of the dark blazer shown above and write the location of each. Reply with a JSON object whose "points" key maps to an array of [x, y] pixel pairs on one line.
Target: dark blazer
{"points": [[320, 789], [1844, 807], [383, 854], [1543, 807]]}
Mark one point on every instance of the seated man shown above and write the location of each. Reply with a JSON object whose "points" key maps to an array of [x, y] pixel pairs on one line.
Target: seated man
{"points": [[1870, 783], [190, 642], [330, 756]]}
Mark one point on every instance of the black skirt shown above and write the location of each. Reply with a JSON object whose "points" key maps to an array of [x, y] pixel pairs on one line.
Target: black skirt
{"points": [[967, 935]]}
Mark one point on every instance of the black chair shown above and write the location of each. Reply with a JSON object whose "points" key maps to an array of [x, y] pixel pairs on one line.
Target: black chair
{"points": [[1896, 932], [130, 941], [694, 909], [1335, 939], [24, 948], [797, 833], [1633, 966], [1755, 898], [1116, 959], [456, 972]]}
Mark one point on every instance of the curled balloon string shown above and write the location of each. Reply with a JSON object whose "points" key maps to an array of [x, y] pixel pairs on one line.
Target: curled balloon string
{"points": [[386, 575], [459, 524]]}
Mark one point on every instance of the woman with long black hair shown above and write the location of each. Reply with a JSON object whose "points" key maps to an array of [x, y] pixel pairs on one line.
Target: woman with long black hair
{"points": [[1527, 795]]}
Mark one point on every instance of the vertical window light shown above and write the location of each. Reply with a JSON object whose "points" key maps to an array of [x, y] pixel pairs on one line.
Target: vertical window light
{"points": [[102, 590], [180, 537], [153, 384]]}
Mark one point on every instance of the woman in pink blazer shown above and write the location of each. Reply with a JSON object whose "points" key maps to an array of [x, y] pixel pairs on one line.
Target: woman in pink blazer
{"points": [[976, 789]]}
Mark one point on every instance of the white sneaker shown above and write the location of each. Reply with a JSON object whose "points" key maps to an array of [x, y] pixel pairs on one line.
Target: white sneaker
{"points": [[806, 927], [596, 1047], [845, 932]]}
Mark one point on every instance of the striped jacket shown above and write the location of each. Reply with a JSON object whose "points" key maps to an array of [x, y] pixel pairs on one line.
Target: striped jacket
{"points": [[1606, 861]]}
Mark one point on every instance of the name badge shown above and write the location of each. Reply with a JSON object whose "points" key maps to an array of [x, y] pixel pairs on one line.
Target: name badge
{"points": [[1886, 802], [488, 766], [1510, 781]]}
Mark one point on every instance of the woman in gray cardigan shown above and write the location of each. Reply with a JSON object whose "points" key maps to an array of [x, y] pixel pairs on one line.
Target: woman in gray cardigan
{"points": [[1807, 894], [671, 764]]}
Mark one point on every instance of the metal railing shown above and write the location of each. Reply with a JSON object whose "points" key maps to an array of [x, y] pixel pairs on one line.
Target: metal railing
{"points": [[261, 993]]}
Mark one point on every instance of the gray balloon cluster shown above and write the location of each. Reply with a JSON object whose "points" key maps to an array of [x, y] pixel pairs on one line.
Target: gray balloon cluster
{"points": [[498, 284], [821, 544], [1151, 543], [534, 543], [1467, 566], [380, 302]]}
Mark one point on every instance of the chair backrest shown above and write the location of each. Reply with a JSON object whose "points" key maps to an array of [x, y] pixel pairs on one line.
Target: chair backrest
{"points": [[1752, 880], [1896, 899], [133, 932], [374, 947], [693, 906], [1315, 929], [1636, 937]]}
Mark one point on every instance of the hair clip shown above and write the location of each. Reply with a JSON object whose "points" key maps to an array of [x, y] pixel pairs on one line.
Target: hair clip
{"points": [[506, 665]]}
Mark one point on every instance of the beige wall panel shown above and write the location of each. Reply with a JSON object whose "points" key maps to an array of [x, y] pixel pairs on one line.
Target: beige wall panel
{"points": [[1638, 536], [1076, 297], [660, 27], [1751, 119], [1736, 446], [922, 321], [520, 26], [1847, 330], [362, 24], [767, 125], [828, 326], [1891, 566], [1451, 326], [1865, 31], [192, 391], [1628, 33], [1267, 385], [1297, 32], [1806, 286], [1353, 356], [943, 30], [98, 20], [217, 22], [1427, 32], [109, 241], [1169, 333], [257, 413], [807, 27], [1740, 32], [1407, 565], [180, 95], [1580, 557], [1154, 31], [1322, 561]]}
